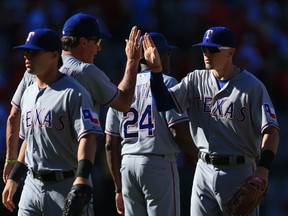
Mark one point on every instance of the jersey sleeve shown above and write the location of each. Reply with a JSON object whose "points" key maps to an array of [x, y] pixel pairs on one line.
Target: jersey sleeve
{"points": [[171, 116], [98, 84], [26, 81], [85, 118], [112, 123], [181, 92], [263, 111]]}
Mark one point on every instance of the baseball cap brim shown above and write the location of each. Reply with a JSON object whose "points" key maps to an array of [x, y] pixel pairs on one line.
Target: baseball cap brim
{"points": [[209, 44], [30, 47]]}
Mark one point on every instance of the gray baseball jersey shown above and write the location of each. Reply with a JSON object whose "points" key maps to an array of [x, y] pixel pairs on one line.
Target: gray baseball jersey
{"points": [[26, 81], [148, 169], [53, 120], [92, 78], [143, 128], [236, 114]]}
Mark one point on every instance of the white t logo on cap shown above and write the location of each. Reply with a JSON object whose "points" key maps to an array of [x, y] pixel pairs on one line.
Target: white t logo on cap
{"points": [[208, 33], [31, 34]]}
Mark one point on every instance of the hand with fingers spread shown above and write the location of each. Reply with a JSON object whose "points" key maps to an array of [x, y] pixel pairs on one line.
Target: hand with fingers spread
{"points": [[151, 54], [133, 46]]}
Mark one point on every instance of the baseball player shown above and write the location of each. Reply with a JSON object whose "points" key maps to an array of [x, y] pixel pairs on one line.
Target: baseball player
{"points": [[148, 183], [233, 122], [81, 42], [59, 127]]}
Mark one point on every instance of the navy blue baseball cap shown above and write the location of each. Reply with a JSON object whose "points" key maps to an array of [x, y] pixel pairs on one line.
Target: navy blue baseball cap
{"points": [[83, 25], [160, 42], [42, 39], [218, 37]]}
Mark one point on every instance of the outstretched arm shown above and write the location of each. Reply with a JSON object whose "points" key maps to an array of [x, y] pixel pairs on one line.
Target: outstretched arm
{"points": [[127, 85], [113, 156]]}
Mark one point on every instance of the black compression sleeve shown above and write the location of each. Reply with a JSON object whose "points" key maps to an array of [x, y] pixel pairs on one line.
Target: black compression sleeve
{"points": [[84, 168], [266, 159], [160, 93]]}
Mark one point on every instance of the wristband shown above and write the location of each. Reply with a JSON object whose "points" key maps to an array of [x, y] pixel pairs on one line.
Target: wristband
{"points": [[18, 171], [157, 67], [84, 168], [266, 159], [10, 161]]}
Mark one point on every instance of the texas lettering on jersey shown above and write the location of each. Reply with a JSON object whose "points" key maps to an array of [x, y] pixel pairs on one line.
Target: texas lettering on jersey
{"points": [[39, 117], [222, 108]]}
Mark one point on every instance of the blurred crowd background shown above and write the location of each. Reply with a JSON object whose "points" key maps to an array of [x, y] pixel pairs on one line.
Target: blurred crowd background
{"points": [[261, 27]]}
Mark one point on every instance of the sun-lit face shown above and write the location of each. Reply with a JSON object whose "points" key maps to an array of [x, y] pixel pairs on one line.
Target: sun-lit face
{"points": [[215, 57], [36, 61]]}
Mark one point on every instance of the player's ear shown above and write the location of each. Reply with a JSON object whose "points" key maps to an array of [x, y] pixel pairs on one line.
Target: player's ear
{"points": [[231, 52], [82, 41]]}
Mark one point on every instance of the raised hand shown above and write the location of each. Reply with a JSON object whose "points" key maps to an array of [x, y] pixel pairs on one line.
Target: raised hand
{"points": [[151, 54], [134, 45]]}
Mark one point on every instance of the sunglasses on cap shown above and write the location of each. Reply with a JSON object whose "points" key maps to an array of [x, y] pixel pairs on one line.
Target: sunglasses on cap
{"points": [[213, 49]]}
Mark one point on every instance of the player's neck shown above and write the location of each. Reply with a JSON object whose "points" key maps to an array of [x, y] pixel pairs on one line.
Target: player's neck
{"points": [[44, 80], [226, 73]]}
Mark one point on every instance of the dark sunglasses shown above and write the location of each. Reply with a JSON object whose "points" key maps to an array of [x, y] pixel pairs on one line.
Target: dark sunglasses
{"points": [[210, 49], [32, 52]]}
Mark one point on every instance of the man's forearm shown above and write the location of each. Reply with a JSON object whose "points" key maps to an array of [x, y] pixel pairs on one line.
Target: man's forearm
{"points": [[12, 134], [127, 85], [113, 156]]}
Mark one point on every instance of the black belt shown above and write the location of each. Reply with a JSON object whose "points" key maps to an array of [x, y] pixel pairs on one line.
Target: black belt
{"points": [[54, 176], [220, 160]]}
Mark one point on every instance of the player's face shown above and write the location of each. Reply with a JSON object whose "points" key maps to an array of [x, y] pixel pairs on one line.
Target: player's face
{"points": [[214, 57], [92, 48], [37, 61]]}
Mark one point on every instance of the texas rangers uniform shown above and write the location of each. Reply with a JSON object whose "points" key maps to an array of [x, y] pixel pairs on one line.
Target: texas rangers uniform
{"points": [[226, 125], [150, 182], [92, 78], [53, 121]]}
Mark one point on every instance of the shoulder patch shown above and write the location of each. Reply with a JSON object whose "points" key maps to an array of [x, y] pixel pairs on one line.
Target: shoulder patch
{"points": [[90, 115], [270, 111]]}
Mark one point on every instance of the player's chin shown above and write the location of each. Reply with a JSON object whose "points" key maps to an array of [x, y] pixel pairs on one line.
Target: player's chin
{"points": [[29, 70], [208, 66]]}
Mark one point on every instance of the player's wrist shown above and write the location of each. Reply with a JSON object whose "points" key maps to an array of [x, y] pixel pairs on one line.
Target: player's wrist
{"points": [[8, 161], [84, 168], [118, 190], [266, 159], [156, 68], [19, 170]]}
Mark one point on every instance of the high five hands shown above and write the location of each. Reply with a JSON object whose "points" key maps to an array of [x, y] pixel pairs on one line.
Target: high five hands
{"points": [[151, 54]]}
